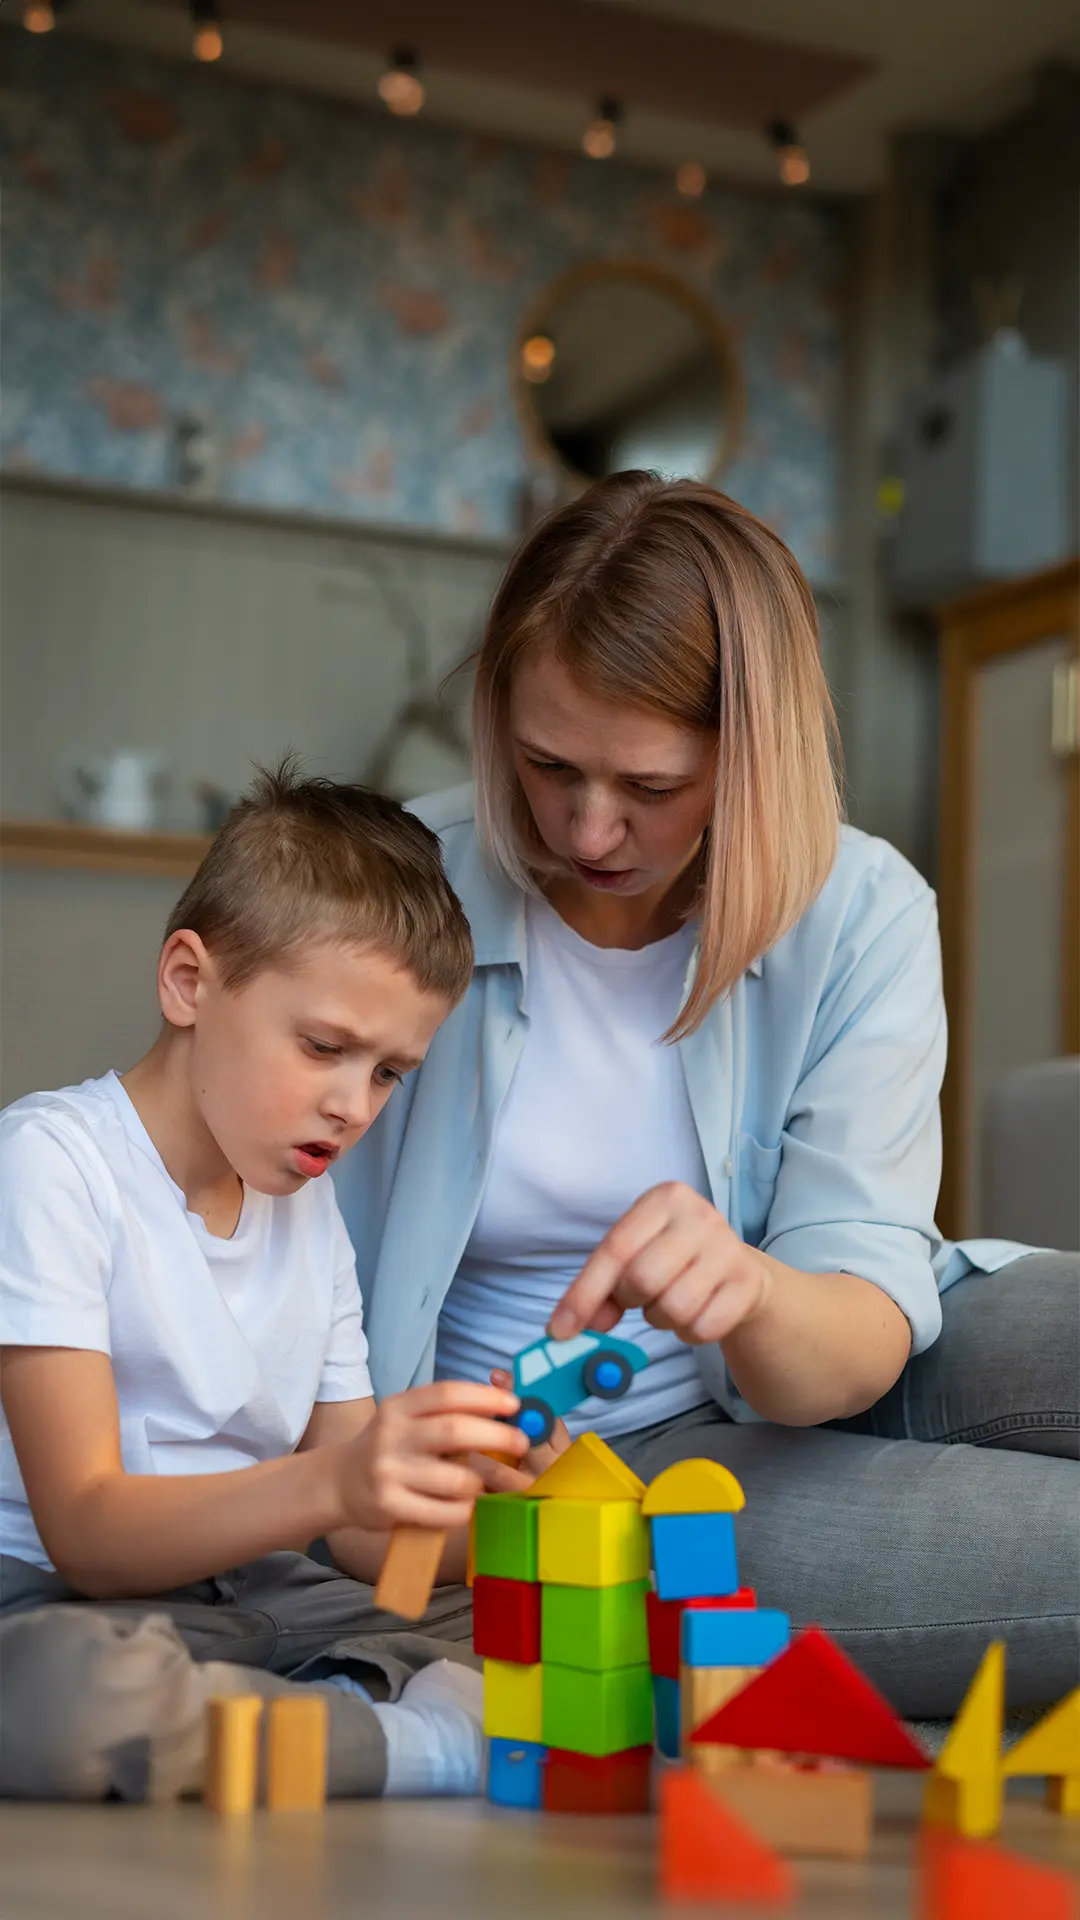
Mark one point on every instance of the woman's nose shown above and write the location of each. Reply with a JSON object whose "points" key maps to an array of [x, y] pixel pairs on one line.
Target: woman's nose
{"points": [[595, 831]]}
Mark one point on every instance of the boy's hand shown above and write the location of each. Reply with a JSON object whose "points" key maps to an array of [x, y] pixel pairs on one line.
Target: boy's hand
{"points": [[501, 1479], [409, 1466]]}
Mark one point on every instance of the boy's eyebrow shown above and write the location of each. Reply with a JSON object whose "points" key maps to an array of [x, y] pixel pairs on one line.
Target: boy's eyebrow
{"points": [[544, 753], [347, 1038]]}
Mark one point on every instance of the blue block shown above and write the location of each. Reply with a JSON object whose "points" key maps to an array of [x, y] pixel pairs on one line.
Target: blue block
{"points": [[733, 1636], [516, 1773], [668, 1714], [693, 1555]]}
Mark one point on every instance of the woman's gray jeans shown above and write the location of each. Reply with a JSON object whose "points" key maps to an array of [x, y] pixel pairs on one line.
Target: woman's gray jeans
{"points": [[945, 1517]]}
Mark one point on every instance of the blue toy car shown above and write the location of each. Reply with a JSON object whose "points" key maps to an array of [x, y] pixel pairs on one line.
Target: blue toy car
{"points": [[553, 1376]]}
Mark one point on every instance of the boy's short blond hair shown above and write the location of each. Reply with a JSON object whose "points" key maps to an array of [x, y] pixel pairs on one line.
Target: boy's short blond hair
{"points": [[305, 860]]}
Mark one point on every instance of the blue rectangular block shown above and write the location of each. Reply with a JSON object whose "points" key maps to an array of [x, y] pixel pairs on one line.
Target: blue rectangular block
{"points": [[516, 1773], [693, 1555], [668, 1715], [733, 1636]]}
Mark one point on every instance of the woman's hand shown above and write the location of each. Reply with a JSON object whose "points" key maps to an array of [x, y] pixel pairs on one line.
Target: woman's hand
{"points": [[500, 1478], [674, 1256], [413, 1463]]}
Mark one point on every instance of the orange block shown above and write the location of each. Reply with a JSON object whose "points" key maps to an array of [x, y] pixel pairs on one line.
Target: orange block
{"points": [[707, 1854], [975, 1880]]}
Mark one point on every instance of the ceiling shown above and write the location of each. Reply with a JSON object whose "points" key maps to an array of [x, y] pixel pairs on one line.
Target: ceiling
{"points": [[853, 72]]}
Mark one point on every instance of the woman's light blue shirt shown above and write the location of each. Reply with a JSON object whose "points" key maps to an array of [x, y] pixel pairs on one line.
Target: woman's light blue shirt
{"points": [[814, 1088]]}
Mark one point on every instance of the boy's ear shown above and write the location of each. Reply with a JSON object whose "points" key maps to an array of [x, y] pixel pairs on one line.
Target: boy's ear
{"points": [[184, 966]]}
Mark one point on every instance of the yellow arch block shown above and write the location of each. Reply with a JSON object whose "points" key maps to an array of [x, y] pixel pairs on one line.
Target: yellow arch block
{"points": [[1053, 1748], [694, 1486], [588, 1470]]}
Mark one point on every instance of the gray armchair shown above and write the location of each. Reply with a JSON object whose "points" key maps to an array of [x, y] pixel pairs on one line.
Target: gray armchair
{"points": [[1031, 1156]]}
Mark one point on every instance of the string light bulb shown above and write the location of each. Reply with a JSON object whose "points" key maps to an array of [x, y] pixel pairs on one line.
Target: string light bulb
{"points": [[599, 138], [39, 16], [690, 179], [791, 155], [400, 87], [207, 44], [537, 358]]}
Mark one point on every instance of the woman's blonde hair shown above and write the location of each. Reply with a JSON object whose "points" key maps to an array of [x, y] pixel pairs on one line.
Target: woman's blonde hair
{"points": [[669, 597]]}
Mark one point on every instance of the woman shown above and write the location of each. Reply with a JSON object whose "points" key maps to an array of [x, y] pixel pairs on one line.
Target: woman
{"points": [[695, 1084]]}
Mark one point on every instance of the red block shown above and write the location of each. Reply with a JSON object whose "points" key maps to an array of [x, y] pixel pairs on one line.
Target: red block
{"points": [[972, 1880], [506, 1619], [664, 1618], [706, 1853], [581, 1783]]}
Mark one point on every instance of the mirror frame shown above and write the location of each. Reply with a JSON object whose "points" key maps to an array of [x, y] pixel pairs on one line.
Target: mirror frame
{"points": [[662, 281]]}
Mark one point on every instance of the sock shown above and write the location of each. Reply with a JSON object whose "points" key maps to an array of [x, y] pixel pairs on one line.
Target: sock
{"points": [[434, 1732]]}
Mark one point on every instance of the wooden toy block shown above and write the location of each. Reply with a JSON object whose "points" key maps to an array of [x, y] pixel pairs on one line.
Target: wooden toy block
{"points": [[693, 1554], [232, 1752], [801, 1809], [1052, 1748], [667, 1715], [965, 1790], [296, 1740], [702, 1690], [973, 1880], [513, 1702], [589, 1783], [506, 1619], [470, 1552], [706, 1853], [506, 1536], [665, 1625], [595, 1627], [592, 1543], [588, 1470], [409, 1570], [694, 1486], [730, 1637], [811, 1699], [516, 1773], [597, 1713]]}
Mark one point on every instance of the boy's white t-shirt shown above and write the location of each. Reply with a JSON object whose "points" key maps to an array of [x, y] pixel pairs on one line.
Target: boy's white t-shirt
{"points": [[220, 1348]]}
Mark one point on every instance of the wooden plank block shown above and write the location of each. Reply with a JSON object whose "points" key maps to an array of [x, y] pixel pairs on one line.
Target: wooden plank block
{"points": [[701, 1691], [296, 1737], [802, 1810], [231, 1769], [409, 1570]]}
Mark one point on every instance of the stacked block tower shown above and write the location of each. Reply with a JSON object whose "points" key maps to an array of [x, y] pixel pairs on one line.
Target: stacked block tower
{"points": [[559, 1607]]}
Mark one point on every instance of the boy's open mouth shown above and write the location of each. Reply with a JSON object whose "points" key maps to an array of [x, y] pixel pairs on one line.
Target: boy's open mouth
{"points": [[314, 1157]]}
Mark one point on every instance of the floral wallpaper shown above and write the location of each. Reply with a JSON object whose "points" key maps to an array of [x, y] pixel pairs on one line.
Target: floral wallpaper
{"points": [[340, 293]]}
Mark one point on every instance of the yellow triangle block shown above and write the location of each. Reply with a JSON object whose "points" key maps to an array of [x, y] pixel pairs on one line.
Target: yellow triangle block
{"points": [[973, 1748], [588, 1470], [1053, 1746], [694, 1486]]}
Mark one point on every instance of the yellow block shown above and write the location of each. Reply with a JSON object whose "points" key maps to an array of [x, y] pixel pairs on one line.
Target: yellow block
{"points": [[694, 1486], [1063, 1793], [513, 1700], [296, 1736], [588, 1470], [964, 1792], [971, 1807], [592, 1543], [232, 1752], [701, 1691], [1053, 1745]]}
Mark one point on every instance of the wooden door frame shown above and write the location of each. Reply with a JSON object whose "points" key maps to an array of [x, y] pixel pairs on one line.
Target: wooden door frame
{"points": [[975, 628]]}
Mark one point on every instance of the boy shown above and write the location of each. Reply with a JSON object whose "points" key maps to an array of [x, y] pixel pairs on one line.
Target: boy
{"points": [[186, 1401]]}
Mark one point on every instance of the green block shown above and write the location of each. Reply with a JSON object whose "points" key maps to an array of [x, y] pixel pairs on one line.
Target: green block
{"points": [[506, 1531], [597, 1713], [595, 1627]]}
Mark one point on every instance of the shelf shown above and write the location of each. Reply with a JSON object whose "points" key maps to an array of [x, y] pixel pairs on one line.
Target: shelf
{"points": [[67, 843]]}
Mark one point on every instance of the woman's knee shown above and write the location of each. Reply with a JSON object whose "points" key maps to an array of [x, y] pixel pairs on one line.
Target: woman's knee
{"points": [[96, 1704]]}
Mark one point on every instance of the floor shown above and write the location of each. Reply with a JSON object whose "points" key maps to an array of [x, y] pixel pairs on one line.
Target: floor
{"points": [[417, 1860]]}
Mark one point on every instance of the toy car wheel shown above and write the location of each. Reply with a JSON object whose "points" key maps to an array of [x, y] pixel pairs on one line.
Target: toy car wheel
{"points": [[535, 1418], [607, 1374]]}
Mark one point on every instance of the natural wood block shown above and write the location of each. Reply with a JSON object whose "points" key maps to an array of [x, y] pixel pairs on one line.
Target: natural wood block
{"points": [[296, 1738], [802, 1810], [231, 1769], [409, 1570], [701, 1691]]}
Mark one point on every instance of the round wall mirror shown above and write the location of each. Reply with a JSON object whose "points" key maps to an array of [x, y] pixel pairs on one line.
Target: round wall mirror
{"points": [[619, 365]]}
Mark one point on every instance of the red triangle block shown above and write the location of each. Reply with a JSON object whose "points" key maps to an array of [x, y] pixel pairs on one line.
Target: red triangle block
{"points": [[707, 1854], [811, 1699], [972, 1880]]}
